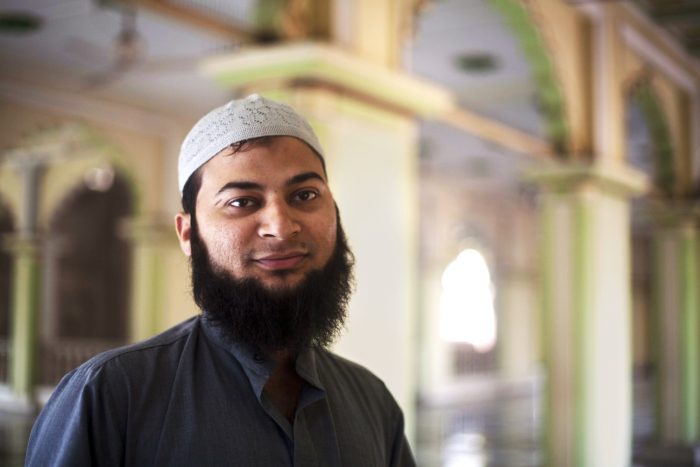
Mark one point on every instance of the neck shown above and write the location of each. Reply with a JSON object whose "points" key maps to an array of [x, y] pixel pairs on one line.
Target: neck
{"points": [[282, 357], [284, 385]]}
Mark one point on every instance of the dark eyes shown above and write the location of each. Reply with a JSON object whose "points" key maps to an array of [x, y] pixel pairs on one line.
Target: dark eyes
{"points": [[301, 196], [304, 195], [242, 203]]}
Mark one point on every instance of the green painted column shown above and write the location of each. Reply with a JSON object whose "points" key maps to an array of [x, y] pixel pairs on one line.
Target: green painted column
{"points": [[518, 328], [586, 305], [690, 335], [148, 236], [677, 325], [24, 315], [26, 291]]}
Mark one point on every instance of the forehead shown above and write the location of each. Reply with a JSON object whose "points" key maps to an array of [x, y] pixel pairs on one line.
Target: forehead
{"points": [[267, 159]]}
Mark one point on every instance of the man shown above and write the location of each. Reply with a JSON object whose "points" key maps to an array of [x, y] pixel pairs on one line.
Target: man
{"points": [[248, 382]]}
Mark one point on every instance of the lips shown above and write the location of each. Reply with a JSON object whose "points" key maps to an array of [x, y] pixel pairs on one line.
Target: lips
{"points": [[281, 261]]}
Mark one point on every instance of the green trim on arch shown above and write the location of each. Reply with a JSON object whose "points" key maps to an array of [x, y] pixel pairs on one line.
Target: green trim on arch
{"points": [[549, 92], [662, 150], [83, 147]]}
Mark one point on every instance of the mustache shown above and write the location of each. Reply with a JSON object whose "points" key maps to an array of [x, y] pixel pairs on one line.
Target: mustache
{"points": [[281, 250]]}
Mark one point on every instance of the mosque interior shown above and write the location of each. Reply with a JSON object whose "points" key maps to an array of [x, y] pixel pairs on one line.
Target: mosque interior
{"points": [[526, 232]]}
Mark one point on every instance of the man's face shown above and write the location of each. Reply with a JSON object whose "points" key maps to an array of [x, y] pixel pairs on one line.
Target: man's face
{"points": [[265, 213]]}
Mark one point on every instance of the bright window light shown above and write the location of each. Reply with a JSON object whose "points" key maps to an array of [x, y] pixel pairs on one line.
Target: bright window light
{"points": [[466, 305]]}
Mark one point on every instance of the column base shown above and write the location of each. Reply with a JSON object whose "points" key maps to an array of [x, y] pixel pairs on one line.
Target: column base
{"points": [[666, 455], [10, 402]]}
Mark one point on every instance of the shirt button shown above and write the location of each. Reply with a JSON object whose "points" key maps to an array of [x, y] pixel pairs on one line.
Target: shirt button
{"points": [[259, 358]]}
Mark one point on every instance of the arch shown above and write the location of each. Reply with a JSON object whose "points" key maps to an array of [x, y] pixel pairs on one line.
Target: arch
{"points": [[91, 291], [468, 321], [549, 93], [68, 152], [642, 99], [468, 301], [85, 150], [78, 165], [86, 276]]}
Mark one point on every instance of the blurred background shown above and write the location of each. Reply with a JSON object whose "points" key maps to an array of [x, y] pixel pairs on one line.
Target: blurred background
{"points": [[519, 180]]}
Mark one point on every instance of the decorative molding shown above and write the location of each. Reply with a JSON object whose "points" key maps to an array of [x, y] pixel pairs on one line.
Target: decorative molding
{"points": [[323, 63], [325, 67], [148, 230], [563, 178], [675, 214]]}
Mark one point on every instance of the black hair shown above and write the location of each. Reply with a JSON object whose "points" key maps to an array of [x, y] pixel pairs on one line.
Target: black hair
{"points": [[189, 192]]}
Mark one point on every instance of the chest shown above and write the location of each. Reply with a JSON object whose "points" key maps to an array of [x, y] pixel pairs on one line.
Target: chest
{"points": [[223, 423]]}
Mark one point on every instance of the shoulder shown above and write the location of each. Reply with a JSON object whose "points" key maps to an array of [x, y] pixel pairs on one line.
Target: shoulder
{"points": [[329, 360], [138, 357], [339, 372], [370, 415]]}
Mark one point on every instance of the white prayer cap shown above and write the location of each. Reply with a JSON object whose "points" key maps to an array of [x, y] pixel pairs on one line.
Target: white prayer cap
{"points": [[240, 119]]}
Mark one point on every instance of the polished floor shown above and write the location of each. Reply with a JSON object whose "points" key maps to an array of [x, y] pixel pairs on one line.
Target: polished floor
{"points": [[500, 427], [14, 432]]}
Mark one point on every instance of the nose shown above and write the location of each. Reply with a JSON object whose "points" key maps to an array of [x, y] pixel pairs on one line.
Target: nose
{"points": [[277, 221]]}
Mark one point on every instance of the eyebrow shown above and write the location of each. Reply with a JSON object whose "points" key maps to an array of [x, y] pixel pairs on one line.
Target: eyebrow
{"points": [[244, 185]]}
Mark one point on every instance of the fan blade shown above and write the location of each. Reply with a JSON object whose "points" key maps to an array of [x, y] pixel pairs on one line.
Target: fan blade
{"points": [[185, 63]]}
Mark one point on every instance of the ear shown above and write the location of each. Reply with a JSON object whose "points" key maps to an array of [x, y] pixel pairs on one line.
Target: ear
{"points": [[183, 229]]}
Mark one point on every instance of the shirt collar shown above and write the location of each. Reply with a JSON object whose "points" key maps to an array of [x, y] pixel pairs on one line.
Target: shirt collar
{"points": [[258, 366]]}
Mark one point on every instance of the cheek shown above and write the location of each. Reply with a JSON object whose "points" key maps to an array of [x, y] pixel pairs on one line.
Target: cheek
{"points": [[225, 245], [329, 236]]}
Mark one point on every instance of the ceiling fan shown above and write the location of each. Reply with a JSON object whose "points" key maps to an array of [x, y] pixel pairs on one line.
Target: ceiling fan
{"points": [[129, 51]]}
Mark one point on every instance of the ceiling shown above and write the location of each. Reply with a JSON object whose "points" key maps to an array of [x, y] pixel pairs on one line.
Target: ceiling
{"points": [[446, 32], [681, 18], [76, 47]]}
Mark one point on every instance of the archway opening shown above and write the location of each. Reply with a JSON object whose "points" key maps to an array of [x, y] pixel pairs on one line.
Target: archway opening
{"points": [[648, 149], [87, 274], [467, 302]]}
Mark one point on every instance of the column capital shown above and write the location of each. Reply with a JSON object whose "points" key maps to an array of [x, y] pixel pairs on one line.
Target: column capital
{"points": [[327, 67], [20, 245], [675, 214], [620, 180], [151, 229]]}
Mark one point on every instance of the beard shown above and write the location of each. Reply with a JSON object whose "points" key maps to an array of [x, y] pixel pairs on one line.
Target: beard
{"points": [[246, 312]]}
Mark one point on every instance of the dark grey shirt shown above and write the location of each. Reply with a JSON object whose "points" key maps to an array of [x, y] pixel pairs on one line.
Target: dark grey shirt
{"points": [[188, 398]]}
